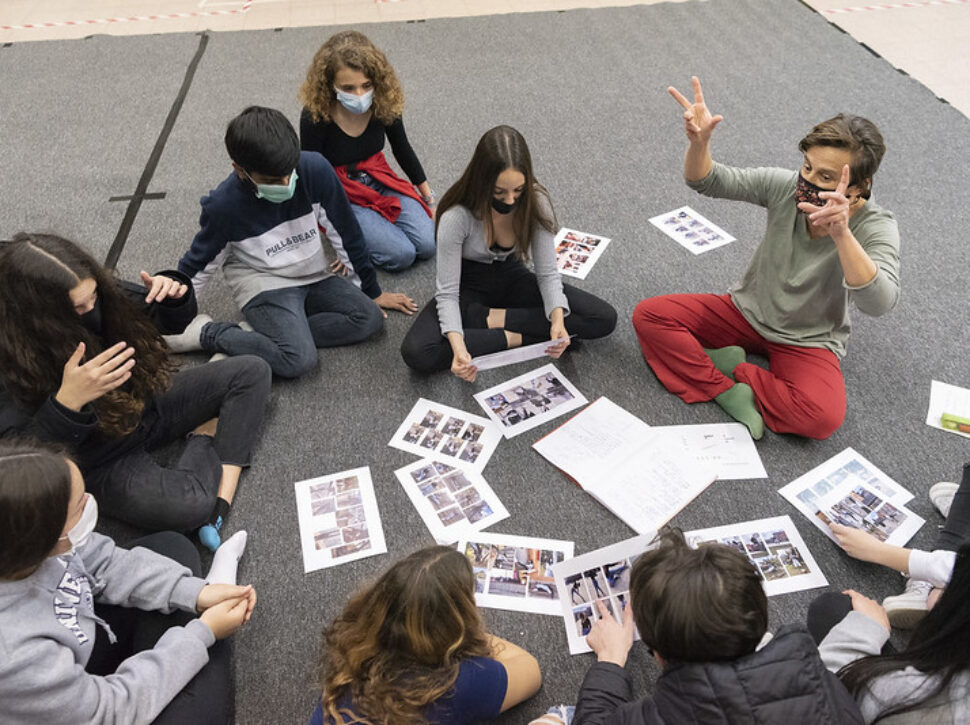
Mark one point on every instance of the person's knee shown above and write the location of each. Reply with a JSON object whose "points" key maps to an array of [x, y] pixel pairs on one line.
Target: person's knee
{"points": [[648, 312], [175, 546], [605, 321], [294, 365], [399, 257], [370, 319], [823, 420], [193, 511], [418, 355], [251, 371]]}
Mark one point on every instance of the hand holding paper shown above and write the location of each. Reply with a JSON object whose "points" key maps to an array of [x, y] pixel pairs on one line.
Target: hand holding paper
{"points": [[610, 639]]}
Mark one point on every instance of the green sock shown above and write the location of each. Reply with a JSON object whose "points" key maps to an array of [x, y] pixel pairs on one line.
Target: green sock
{"points": [[726, 359], [738, 402]]}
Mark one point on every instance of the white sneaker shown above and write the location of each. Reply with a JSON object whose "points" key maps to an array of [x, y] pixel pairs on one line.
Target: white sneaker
{"points": [[941, 494], [907, 609], [190, 340]]}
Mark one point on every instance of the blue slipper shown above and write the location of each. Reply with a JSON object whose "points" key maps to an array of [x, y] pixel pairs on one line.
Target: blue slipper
{"points": [[209, 535]]}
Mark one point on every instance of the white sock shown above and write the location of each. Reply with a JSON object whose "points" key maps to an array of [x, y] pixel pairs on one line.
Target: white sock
{"points": [[190, 339], [226, 559]]}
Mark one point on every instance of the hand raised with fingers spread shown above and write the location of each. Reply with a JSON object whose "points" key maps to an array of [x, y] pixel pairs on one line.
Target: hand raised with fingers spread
{"points": [[161, 287], [698, 121], [833, 218], [80, 384]]}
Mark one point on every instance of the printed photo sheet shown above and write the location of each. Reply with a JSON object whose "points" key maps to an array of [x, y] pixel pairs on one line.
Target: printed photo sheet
{"points": [[727, 447], [774, 546], [339, 519], [847, 489], [432, 430], [515, 572], [528, 401], [577, 252], [453, 502], [618, 460], [951, 401], [691, 230], [599, 576]]}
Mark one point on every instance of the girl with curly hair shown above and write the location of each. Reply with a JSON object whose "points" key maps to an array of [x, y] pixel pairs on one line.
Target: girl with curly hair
{"points": [[351, 101], [83, 364], [490, 223], [412, 648]]}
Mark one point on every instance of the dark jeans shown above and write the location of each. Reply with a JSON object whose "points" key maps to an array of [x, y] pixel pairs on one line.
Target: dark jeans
{"points": [[135, 488], [826, 611], [507, 285], [207, 698], [290, 324], [956, 529]]}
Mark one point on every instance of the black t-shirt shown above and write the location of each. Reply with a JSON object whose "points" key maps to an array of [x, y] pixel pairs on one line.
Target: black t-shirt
{"points": [[341, 150]]}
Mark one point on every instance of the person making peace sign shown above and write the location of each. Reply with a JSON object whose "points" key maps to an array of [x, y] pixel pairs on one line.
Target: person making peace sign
{"points": [[826, 244]]}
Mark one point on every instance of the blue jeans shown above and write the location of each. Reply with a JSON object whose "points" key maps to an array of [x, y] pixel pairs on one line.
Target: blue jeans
{"points": [[290, 324], [394, 246]]}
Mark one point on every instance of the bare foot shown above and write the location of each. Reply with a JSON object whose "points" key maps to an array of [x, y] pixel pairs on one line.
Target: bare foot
{"points": [[208, 428]]}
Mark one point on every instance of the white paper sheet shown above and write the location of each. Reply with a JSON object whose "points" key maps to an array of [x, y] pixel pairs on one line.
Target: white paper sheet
{"points": [[850, 490], [514, 572], [453, 502], [618, 460], [602, 575], [577, 252], [774, 546], [948, 399], [512, 355], [339, 519], [727, 447], [691, 230], [435, 430], [528, 401]]}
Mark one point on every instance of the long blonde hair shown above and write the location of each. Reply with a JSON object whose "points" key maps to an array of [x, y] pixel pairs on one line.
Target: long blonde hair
{"points": [[397, 645], [354, 50]]}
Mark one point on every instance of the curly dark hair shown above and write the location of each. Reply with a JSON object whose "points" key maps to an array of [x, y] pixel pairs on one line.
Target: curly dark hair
{"points": [[398, 644], [351, 49], [40, 329]]}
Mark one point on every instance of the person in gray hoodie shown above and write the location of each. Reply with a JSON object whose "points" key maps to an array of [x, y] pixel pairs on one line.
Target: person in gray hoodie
{"points": [[93, 633]]}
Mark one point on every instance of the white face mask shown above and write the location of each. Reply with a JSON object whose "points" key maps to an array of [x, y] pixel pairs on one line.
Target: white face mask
{"points": [[80, 532]]}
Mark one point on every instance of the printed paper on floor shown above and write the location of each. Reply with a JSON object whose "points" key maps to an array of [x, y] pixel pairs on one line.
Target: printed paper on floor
{"points": [[949, 408], [848, 489], [339, 519], [577, 252], [727, 447], [691, 230], [515, 572], [448, 434], [452, 501]]}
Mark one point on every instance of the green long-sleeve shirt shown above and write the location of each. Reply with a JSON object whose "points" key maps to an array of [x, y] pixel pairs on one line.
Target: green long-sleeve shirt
{"points": [[794, 291]]}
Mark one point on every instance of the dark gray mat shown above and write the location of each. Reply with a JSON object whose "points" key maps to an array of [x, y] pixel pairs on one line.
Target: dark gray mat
{"points": [[587, 90]]}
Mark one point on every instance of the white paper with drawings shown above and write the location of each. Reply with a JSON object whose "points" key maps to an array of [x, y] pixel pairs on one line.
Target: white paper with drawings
{"points": [[728, 447]]}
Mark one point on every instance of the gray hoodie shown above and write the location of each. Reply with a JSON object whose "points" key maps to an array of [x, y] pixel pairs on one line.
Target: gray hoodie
{"points": [[47, 632]]}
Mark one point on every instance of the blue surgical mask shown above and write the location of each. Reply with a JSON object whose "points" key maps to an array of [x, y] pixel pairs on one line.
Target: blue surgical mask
{"points": [[276, 193], [355, 104]]}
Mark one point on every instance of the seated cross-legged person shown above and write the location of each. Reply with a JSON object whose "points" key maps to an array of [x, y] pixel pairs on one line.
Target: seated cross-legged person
{"points": [[826, 244], [262, 226]]}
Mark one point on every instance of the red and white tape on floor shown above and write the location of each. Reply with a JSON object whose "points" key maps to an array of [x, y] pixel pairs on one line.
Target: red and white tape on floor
{"points": [[892, 6], [245, 6]]}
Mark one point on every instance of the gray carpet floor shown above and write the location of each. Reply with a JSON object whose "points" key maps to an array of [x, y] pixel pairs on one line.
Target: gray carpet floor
{"points": [[587, 89]]}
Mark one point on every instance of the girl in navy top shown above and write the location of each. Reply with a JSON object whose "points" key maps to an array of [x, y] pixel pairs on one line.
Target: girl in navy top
{"points": [[412, 647]]}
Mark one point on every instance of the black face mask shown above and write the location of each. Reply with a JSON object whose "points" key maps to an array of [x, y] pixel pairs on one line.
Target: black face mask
{"points": [[501, 207], [92, 318]]}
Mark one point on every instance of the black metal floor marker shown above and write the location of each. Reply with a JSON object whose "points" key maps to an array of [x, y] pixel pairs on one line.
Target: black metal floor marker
{"points": [[141, 190]]}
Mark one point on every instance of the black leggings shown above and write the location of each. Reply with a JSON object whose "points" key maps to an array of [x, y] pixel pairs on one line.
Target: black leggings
{"points": [[507, 285], [208, 696]]}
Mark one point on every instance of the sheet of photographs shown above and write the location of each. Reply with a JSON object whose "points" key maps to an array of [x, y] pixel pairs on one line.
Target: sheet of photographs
{"points": [[577, 252], [432, 430], [515, 572], [452, 502], [774, 546], [850, 490], [528, 401], [691, 230], [339, 519], [601, 576]]}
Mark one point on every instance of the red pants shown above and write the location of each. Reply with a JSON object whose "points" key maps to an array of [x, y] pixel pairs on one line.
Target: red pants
{"points": [[802, 393]]}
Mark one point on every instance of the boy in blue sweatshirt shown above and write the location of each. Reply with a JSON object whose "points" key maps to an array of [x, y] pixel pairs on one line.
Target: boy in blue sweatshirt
{"points": [[263, 225]]}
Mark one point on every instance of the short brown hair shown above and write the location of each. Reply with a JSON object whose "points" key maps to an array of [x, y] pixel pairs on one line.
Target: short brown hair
{"points": [[697, 605], [860, 137]]}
